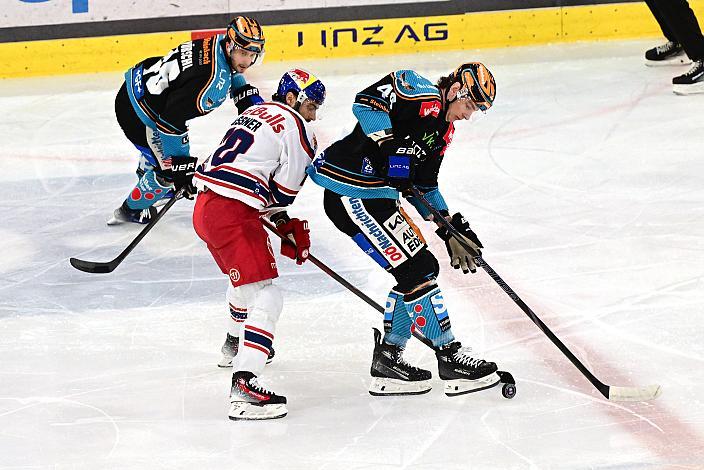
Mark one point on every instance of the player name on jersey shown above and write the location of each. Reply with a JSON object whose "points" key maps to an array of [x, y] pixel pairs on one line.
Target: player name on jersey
{"points": [[248, 122]]}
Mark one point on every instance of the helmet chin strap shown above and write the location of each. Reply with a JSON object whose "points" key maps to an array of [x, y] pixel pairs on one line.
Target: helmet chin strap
{"points": [[299, 100]]}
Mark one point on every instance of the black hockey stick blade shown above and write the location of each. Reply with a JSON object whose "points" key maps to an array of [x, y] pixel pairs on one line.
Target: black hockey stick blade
{"points": [[95, 267], [98, 267], [330, 272], [609, 392]]}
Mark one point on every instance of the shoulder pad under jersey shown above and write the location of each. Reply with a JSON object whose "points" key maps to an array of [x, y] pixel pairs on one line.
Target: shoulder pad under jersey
{"points": [[410, 85]]}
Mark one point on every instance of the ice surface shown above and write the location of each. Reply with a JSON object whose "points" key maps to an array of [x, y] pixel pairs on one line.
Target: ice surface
{"points": [[585, 183]]}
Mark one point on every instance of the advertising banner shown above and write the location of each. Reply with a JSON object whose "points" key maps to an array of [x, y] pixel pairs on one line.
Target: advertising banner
{"points": [[17, 13]]}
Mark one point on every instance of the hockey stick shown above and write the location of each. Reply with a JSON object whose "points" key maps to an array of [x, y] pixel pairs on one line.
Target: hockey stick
{"points": [[97, 267], [610, 392], [327, 270]]}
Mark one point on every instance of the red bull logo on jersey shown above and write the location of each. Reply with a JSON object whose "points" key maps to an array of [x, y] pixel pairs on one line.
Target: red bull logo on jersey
{"points": [[276, 121]]}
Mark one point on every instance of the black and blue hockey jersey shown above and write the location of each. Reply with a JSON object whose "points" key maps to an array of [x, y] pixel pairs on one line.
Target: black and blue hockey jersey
{"points": [[190, 81], [402, 103]]}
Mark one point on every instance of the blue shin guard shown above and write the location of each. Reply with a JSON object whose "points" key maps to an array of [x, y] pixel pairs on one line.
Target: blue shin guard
{"points": [[427, 307], [148, 191], [397, 322]]}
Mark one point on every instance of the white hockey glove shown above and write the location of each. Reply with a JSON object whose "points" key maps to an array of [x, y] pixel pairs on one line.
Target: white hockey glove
{"points": [[461, 256]]}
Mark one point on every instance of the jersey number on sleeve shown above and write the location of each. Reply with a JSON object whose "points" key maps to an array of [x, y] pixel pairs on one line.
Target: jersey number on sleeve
{"points": [[237, 142]]}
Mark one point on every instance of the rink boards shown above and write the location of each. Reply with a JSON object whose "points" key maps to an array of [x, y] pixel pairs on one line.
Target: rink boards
{"points": [[351, 38]]}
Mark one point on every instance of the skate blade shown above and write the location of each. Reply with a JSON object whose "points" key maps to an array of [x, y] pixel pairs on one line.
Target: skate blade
{"points": [[669, 63], [457, 387], [382, 386], [688, 89], [226, 362], [241, 411], [114, 221]]}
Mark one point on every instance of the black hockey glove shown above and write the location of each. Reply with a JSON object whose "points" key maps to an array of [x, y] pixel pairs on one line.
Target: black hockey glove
{"points": [[246, 96], [182, 171], [402, 156], [461, 256]]}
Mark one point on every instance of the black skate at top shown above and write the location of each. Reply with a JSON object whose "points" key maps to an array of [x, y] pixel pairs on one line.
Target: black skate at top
{"points": [[388, 363], [454, 362], [666, 51]]}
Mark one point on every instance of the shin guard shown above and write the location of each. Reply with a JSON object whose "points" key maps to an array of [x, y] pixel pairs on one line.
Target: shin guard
{"points": [[427, 307]]}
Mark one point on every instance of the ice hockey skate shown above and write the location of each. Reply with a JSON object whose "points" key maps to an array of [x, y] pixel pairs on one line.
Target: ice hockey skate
{"points": [[670, 53], [124, 214], [462, 373], [229, 351], [251, 401], [391, 375], [690, 82]]}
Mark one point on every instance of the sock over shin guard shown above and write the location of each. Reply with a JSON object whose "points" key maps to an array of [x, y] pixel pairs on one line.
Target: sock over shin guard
{"points": [[147, 191], [238, 310], [264, 305], [397, 322], [429, 313]]}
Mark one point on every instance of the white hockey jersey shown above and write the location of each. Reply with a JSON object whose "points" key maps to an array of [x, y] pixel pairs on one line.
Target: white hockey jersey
{"points": [[262, 159]]}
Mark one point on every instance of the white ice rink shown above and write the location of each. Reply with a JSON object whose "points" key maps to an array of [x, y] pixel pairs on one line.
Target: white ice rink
{"points": [[585, 182]]}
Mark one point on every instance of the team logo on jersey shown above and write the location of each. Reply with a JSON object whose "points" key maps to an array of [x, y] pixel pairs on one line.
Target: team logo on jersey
{"points": [[430, 107], [367, 168], [404, 83], [137, 89], [276, 121], [235, 276]]}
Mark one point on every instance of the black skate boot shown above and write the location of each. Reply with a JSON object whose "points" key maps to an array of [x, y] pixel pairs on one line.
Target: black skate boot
{"points": [[124, 214], [461, 372], [229, 351], [691, 82], [391, 375], [670, 53], [249, 400]]}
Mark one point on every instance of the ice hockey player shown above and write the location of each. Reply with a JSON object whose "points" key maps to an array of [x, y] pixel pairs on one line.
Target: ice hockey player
{"points": [[405, 123], [257, 171], [159, 96]]}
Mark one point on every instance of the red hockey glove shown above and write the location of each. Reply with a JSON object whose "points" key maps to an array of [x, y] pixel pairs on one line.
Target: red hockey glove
{"points": [[298, 247]]}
